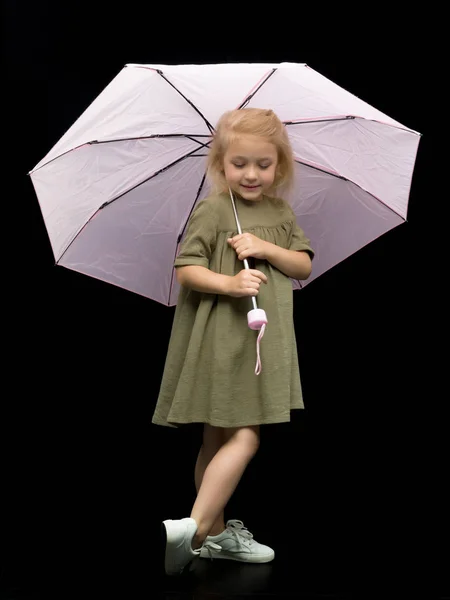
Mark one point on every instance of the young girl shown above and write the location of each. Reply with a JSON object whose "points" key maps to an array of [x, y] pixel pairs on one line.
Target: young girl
{"points": [[209, 376]]}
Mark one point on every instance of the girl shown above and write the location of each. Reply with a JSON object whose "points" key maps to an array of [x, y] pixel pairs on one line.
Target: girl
{"points": [[209, 376]]}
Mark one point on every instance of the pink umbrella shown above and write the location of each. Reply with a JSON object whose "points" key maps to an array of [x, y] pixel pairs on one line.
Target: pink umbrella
{"points": [[118, 188]]}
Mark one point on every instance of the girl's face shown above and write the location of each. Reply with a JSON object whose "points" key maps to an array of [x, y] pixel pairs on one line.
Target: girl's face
{"points": [[249, 166]]}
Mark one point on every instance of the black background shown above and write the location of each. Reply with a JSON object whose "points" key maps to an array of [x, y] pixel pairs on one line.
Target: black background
{"points": [[359, 476]]}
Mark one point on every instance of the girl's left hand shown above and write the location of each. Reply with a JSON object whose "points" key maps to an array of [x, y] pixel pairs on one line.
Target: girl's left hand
{"points": [[247, 244]]}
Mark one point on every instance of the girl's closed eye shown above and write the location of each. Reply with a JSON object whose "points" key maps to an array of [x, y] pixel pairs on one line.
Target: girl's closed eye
{"points": [[241, 166]]}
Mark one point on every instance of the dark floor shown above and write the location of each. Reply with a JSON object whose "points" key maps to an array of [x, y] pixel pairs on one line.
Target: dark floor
{"points": [[88, 525], [126, 568], [348, 517]]}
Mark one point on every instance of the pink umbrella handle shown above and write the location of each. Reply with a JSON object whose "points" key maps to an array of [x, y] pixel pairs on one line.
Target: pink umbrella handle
{"points": [[257, 320]]}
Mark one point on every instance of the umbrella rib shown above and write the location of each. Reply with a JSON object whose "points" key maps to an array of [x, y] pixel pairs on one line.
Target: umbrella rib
{"points": [[123, 194], [182, 231], [338, 176], [189, 154], [201, 143], [190, 136], [208, 124], [192, 208], [323, 120], [250, 96], [348, 117]]}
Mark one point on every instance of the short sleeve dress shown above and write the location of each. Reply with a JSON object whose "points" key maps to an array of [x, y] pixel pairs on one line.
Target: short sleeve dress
{"points": [[209, 374]]}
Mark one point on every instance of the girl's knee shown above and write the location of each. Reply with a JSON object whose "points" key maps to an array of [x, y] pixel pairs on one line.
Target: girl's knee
{"points": [[248, 437]]}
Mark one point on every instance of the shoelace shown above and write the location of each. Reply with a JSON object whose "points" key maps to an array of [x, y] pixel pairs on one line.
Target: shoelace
{"points": [[241, 533], [237, 528], [210, 546]]}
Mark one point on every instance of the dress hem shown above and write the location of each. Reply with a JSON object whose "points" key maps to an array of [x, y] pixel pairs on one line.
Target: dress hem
{"points": [[286, 418]]}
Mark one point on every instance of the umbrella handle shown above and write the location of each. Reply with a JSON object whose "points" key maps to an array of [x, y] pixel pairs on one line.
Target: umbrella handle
{"points": [[245, 261], [246, 265], [256, 318]]}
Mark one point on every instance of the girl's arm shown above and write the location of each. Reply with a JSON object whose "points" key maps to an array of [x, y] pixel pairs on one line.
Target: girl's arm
{"points": [[293, 263], [202, 279]]}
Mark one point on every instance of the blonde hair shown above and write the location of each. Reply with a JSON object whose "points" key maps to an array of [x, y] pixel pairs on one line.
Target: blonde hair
{"points": [[251, 121]]}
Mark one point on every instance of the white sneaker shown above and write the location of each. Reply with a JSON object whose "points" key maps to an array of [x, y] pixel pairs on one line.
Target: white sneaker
{"points": [[236, 543], [177, 538]]}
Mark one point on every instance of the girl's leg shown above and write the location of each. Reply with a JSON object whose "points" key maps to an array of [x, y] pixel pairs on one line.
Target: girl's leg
{"points": [[221, 478], [213, 439]]}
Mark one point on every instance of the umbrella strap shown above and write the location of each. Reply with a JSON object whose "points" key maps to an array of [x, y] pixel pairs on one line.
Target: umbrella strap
{"points": [[258, 359]]}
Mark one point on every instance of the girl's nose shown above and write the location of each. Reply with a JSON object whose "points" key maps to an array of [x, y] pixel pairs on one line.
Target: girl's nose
{"points": [[250, 174]]}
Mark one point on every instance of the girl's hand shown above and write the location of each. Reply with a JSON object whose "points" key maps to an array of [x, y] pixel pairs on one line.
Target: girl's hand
{"points": [[246, 283], [247, 244]]}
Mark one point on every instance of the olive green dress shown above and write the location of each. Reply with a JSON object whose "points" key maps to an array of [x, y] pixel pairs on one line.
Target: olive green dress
{"points": [[209, 375]]}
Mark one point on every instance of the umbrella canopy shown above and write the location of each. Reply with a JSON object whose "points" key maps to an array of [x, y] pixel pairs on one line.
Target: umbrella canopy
{"points": [[116, 191]]}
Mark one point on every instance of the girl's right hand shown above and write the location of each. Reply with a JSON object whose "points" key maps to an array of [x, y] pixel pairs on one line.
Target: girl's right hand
{"points": [[246, 283]]}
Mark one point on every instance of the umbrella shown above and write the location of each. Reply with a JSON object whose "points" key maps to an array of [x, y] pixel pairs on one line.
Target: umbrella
{"points": [[116, 191]]}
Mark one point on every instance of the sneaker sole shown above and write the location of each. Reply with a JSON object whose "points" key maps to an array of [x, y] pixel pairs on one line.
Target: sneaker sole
{"points": [[244, 558]]}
